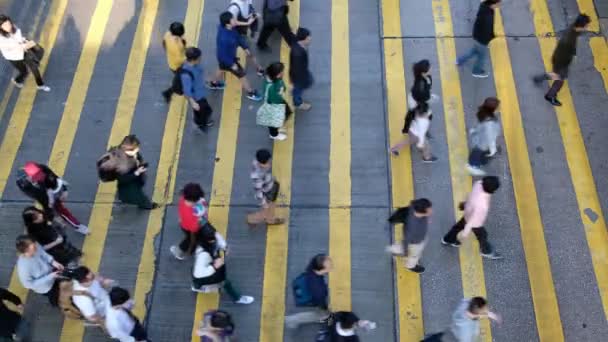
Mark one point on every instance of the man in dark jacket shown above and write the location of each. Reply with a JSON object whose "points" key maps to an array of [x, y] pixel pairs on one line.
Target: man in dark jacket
{"points": [[12, 325], [563, 55], [483, 33], [275, 17], [300, 76]]}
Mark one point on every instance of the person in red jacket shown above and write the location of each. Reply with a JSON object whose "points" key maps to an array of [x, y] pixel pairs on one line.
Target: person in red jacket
{"points": [[193, 215]]}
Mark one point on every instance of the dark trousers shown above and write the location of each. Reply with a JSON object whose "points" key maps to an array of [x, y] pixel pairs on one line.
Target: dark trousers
{"points": [[557, 84], [22, 67], [169, 91], [273, 131], [283, 28], [138, 332], [53, 294], [187, 246], [480, 233], [202, 115], [478, 157]]}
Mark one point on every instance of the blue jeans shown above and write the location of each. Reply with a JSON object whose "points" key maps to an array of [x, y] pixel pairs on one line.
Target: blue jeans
{"points": [[481, 52], [478, 158], [297, 95]]}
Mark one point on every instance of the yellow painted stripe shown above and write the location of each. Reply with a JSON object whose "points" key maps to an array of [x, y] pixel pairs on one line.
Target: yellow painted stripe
{"points": [[222, 178], [473, 281], [578, 162], [102, 210], [166, 171], [277, 238], [588, 7], [409, 296], [548, 320], [27, 95], [599, 48], [339, 160]]}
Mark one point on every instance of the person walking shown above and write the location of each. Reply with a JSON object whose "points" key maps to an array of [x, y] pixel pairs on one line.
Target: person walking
{"points": [[120, 322], [23, 54], [483, 136], [90, 294], [562, 58], [193, 86], [51, 237], [37, 270], [310, 289], [13, 327], [476, 210], [299, 73], [246, 17], [130, 184], [40, 183], [415, 231], [483, 33], [275, 110], [417, 123], [216, 326], [228, 41], [275, 18], [266, 190], [193, 213], [209, 271], [174, 44]]}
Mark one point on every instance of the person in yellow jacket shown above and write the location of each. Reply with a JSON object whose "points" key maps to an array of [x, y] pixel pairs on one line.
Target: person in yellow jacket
{"points": [[175, 48]]}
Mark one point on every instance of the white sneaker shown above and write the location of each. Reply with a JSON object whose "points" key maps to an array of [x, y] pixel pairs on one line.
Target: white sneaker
{"points": [[176, 253], [279, 137], [16, 84], [82, 229], [44, 88], [475, 171], [245, 300], [194, 289]]}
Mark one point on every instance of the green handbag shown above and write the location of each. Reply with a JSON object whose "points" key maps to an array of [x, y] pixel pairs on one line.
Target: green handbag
{"points": [[270, 114]]}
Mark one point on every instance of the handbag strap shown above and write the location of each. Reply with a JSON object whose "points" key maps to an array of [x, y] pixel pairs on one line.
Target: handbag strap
{"points": [[266, 92]]}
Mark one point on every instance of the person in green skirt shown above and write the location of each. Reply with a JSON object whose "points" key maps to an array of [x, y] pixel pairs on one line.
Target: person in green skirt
{"points": [[130, 184]]}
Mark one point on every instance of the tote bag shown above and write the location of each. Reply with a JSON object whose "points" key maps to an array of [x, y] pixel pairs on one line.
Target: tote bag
{"points": [[270, 115]]}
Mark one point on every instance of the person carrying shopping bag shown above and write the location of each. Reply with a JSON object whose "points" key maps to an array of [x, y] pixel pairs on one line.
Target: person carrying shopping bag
{"points": [[275, 110]]}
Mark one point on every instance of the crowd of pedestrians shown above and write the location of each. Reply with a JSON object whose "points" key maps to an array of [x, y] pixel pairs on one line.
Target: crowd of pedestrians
{"points": [[48, 264]]}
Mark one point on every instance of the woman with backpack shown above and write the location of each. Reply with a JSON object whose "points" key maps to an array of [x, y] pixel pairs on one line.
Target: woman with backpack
{"points": [[275, 110], [50, 236], [483, 136], [216, 326], [209, 270], [23, 54], [417, 123], [43, 185]]}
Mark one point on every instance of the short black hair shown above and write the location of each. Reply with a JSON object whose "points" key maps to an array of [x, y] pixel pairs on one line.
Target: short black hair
{"points": [[225, 18], [316, 263], [490, 184], [263, 156], [421, 67], [491, 2], [119, 296], [582, 20], [193, 53], [29, 214], [476, 304], [193, 192], [177, 29], [131, 140], [421, 205], [274, 69], [302, 33], [80, 273], [347, 319], [221, 319], [23, 242]]}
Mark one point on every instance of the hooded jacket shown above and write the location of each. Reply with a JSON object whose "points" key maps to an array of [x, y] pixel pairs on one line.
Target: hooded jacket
{"points": [[483, 29]]}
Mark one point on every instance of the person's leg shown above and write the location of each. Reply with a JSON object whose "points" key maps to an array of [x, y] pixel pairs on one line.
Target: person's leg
{"points": [[414, 252], [53, 294], [555, 88], [22, 69], [297, 95], [480, 62], [66, 214], [273, 131], [451, 236], [201, 116], [231, 291], [285, 31], [468, 55], [398, 146], [475, 157], [184, 245], [264, 35], [482, 236], [426, 151], [139, 332], [305, 317], [23, 331], [33, 66]]}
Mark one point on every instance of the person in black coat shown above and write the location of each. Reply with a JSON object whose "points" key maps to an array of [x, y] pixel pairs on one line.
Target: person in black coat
{"points": [[563, 55], [299, 74], [483, 33], [12, 326], [275, 17]]}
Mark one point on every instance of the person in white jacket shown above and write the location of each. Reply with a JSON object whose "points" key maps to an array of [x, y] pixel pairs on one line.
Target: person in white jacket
{"points": [[417, 123], [121, 324], [483, 136], [209, 270], [13, 47]]}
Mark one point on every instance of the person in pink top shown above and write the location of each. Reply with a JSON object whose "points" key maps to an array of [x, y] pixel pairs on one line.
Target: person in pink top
{"points": [[476, 210]]}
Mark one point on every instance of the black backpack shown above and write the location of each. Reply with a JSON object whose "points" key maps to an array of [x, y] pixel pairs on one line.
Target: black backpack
{"points": [[177, 85]]}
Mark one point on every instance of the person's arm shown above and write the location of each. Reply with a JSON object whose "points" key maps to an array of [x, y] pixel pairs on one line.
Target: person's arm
{"points": [[243, 44], [221, 242], [29, 282], [57, 242], [187, 80], [491, 136], [11, 297]]}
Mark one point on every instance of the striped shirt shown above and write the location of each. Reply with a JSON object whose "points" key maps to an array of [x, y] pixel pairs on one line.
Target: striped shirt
{"points": [[262, 180]]}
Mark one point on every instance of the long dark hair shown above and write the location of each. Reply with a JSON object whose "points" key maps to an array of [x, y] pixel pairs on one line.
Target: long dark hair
{"points": [[487, 109], [421, 67], [29, 216], [3, 19]]}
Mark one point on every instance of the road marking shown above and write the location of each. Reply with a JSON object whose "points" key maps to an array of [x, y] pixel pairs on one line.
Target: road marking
{"points": [[339, 160], [23, 107], [594, 224], [409, 295], [102, 210], [548, 320], [221, 188], [166, 171], [272, 318], [473, 281], [588, 7], [599, 48]]}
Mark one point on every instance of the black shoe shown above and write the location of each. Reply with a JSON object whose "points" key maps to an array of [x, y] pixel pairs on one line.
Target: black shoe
{"points": [[453, 244], [492, 256], [167, 96], [264, 48], [152, 205], [553, 101], [417, 269], [538, 79], [432, 159]]}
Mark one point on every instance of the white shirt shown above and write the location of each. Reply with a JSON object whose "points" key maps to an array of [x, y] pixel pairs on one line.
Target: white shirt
{"points": [[119, 324], [95, 306], [203, 263], [11, 47], [419, 127], [243, 5]]}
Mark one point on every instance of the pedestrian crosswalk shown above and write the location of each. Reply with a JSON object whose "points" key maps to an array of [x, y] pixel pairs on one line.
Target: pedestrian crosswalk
{"points": [[325, 191]]}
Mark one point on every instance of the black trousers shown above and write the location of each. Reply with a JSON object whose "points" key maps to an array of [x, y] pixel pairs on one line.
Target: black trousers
{"points": [[186, 245], [283, 28], [480, 233], [202, 115], [22, 67], [557, 84], [169, 91], [53, 294]]}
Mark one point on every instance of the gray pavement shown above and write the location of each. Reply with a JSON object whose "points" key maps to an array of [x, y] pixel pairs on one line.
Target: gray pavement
{"points": [[171, 304]]}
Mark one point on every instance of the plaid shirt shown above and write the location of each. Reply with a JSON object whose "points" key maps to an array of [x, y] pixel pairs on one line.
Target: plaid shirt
{"points": [[262, 180]]}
